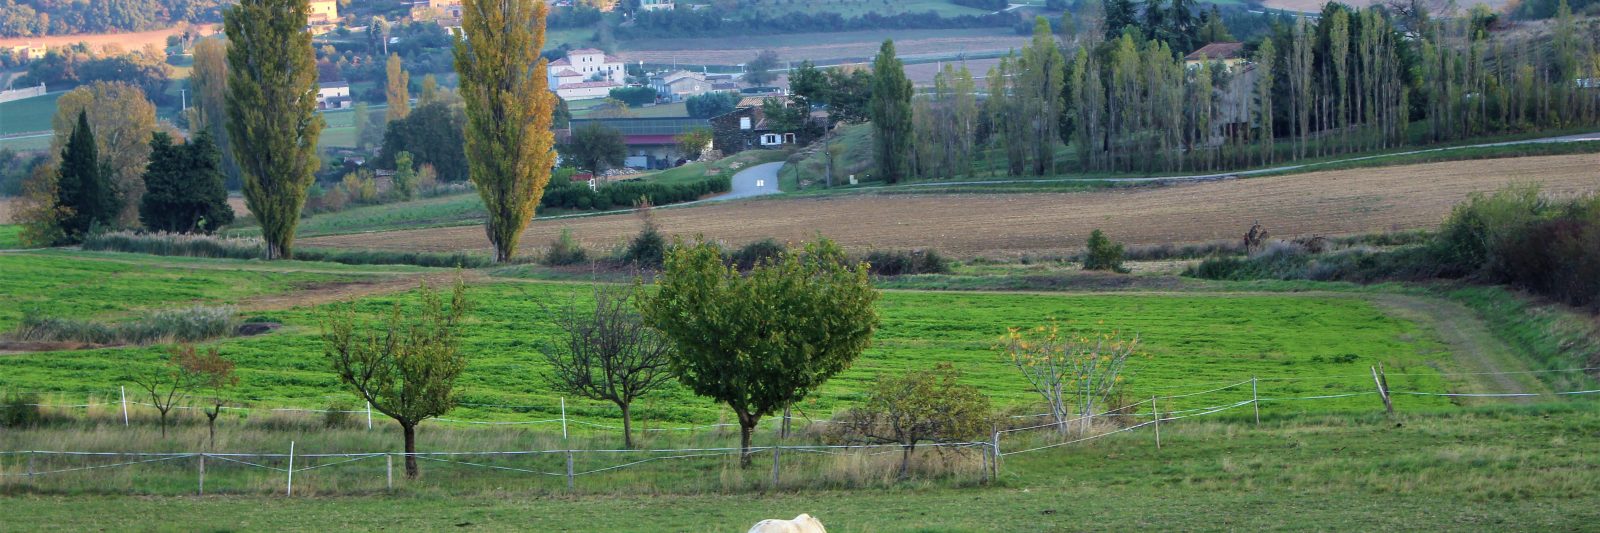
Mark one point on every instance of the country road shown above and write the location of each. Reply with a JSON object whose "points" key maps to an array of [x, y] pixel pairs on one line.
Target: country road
{"points": [[759, 180]]}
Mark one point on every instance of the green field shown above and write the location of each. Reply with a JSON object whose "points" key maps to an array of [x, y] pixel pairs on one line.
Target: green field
{"points": [[1193, 340], [1503, 469], [31, 114], [10, 236]]}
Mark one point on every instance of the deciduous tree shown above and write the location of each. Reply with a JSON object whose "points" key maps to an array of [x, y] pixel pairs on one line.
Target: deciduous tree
{"points": [[764, 340], [123, 120], [607, 354], [167, 384], [509, 107], [272, 118], [213, 375], [596, 147], [405, 367], [397, 88], [919, 406], [891, 115]]}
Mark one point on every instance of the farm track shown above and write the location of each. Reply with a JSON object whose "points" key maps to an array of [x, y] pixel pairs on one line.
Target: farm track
{"points": [[1471, 345], [1041, 224]]}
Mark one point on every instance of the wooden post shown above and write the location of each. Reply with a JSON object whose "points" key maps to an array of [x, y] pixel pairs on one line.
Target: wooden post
{"points": [[984, 456], [289, 491], [1255, 399], [785, 432], [1383, 392], [202, 474], [124, 390], [31, 453], [388, 469], [1156, 411], [775, 450]]}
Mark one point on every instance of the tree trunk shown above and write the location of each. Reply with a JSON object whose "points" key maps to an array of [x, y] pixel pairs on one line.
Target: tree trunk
{"points": [[627, 426], [905, 460], [164, 422], [747, 426], [411, 449], [211, 426]]}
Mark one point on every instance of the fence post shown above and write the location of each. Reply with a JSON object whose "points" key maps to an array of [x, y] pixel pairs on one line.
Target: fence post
{"points": [[564, 439], [369, 416], [1255, 399], [202, 474], [775, 450], [996, 463], [1156, 411], [124, 389], [983, 453], [1383, 391], [290, 490], [388, 469], [31, 453], [569, 469], [564, 417]]}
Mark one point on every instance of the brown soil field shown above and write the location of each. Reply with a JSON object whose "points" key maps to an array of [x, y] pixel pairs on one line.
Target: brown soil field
{"points": [[1006, 225], [736, 54], [128, 41], [1314, 6]]}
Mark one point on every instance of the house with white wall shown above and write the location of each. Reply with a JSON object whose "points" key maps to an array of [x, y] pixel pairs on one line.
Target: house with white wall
{"points": [[586, 73]]}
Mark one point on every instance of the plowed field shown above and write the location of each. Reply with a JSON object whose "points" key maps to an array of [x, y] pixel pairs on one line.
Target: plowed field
{"points": [[998, 225]]}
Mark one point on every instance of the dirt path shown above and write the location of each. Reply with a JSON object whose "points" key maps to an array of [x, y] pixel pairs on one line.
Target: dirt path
{"points": [[340, 291], [1471, 345]]}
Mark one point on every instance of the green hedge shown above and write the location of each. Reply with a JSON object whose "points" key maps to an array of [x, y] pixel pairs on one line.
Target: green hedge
{"points": [[624, 194]]}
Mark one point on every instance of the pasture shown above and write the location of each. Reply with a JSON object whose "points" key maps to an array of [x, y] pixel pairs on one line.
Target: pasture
{"points": [[1193, 339], [1043, 224]]}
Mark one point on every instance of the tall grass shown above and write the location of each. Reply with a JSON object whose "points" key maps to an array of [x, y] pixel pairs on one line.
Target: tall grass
{"points": [[185, 245], [189, 324]]}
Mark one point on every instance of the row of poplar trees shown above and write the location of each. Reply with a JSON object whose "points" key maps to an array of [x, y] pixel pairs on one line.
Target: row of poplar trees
{"points": [[273, 127], [1351, 80]]}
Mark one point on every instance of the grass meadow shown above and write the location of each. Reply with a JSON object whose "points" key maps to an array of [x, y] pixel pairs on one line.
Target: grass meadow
{"points": [[1300, 344]]}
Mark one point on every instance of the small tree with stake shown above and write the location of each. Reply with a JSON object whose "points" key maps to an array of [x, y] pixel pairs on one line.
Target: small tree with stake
{"points": [[762, 341], [406, 367], [213, 374], [924, 405], [607, 354], [168, 384]]}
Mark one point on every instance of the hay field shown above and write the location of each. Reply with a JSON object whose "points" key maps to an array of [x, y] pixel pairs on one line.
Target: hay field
{"points": [[126, 40], [1001, 225]]}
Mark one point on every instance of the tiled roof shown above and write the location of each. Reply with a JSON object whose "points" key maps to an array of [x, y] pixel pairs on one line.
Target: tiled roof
{"points": [[588, 85], [561, 63], [568, 73], [1216, 51], [586, 51]]}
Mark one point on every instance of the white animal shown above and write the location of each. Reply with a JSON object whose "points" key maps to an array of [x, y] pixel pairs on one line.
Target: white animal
{"points": [[801, 524]]}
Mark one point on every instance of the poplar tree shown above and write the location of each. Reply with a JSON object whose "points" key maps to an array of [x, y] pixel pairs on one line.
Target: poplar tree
{"points": [[1044, 73], [1266, 61], [890, 111], [208, 82], [271, 109], [398, 88], [508, 108]]}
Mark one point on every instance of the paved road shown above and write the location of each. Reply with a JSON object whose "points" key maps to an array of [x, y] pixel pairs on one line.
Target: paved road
{"points": [[758, 180]]}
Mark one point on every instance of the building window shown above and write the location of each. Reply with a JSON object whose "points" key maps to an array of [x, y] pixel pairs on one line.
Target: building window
{"points": [[744, 123]]}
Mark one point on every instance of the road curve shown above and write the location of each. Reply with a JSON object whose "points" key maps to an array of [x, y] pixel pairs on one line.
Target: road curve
{"points": [[759, 180]]}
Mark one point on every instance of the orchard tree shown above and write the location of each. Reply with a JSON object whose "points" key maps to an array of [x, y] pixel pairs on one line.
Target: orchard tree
{"points": [[890, 112], [406, 367], [213, 375], [272, 113], [920, 406], [167, 384], [607, 354], [761, 341], [509, 106], [693, 143]]}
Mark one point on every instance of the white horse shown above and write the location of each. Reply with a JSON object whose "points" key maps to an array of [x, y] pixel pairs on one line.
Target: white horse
{"points": [[801, 524]]}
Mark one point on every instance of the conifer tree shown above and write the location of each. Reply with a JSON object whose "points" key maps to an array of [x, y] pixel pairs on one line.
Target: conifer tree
{"points": [[184, 190], [83, 184], [272, 118]]}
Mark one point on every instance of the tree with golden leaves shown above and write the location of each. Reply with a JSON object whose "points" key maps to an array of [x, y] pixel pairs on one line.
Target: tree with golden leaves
{"points": [[508, 105], [398, 89]]}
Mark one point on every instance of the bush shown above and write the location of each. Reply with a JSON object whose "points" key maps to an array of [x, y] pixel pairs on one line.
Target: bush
{"points": [[750, 255], [20, 411], [904, 263], [565, 250], [174, 244], [1102, 254], [647, 249], [191, 324], [567, 194]]}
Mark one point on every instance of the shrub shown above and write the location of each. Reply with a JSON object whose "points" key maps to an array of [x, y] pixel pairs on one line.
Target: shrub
{"points": [[907, 262], [337, 415], [647, 249], [20, 411], [748, 256], [565, 250], [191, 324], [1102, 254], [567, 194]]}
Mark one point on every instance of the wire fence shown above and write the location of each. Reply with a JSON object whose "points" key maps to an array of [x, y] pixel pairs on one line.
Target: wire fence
{"points": [[1055, 432]]}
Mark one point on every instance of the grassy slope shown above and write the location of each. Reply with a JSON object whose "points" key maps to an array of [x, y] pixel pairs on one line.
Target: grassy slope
{"points": [[31, 114], [1501, 470], [1193, 340], [10, 236], [100, 285]]}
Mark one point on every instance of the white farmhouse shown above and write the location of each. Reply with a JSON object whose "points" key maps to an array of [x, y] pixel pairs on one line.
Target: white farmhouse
{"points": [[334, 95], [586, 73]]}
